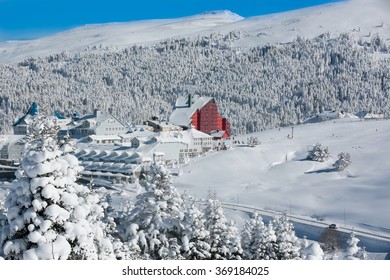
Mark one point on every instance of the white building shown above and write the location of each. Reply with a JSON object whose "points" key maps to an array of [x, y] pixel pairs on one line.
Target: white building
{"points": [[162, 126], [12, 147], [99, 124], [107, 160], [180, 145]]}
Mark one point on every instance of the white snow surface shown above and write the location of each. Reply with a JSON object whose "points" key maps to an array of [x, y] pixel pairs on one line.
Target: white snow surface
{"points": [[118, 35], [274, 175], [313, 252], [362, 17]]}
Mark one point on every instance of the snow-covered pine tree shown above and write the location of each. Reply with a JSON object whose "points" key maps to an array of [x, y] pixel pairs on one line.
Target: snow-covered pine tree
{"points": [[252, 237], [268, 248], [49, 215], [318, 153], [157, 215], [3, 218], [174, 252], [287, 241], [194, 238], [223, 244], [259, 240], [247, 237], [343, 161], [352, 247], [233, 237]]}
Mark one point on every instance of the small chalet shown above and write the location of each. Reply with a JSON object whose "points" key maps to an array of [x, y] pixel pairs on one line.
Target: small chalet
{"points": [[200, 112]]}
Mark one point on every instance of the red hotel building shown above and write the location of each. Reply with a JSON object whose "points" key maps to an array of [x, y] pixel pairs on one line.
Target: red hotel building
{"points": [[202, 113]]}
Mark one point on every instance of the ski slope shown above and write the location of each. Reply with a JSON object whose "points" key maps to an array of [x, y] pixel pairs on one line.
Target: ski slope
{"points": [[276, 176], [363, 18]]}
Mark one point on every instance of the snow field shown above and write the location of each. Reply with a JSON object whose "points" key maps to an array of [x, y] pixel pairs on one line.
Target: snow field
{"points": [[275, 174]]}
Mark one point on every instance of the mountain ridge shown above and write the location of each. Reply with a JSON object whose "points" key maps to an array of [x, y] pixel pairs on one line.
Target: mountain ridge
{"points": [[364, 19]]}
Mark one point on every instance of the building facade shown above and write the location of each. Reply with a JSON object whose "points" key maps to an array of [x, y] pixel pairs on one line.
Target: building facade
{"points": [[200, 112]]}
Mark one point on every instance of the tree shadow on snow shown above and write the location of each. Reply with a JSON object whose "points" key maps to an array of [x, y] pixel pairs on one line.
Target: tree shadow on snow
{"points": [[327, 170], [302, 159]]}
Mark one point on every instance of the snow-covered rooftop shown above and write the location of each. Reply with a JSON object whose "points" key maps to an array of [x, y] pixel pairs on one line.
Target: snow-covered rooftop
{"points": [[183, 112], [196, 134], [105, 137], [217, 134]]}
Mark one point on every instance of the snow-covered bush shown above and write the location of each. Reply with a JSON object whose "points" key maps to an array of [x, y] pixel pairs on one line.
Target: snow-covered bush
{"points": [[253, 141], [343, 162], [362, 254], [49, 215], [312, 251], [330, 241], [318, 153]]}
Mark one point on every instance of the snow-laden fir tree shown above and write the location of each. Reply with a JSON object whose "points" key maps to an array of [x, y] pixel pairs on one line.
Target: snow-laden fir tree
{"points": [[343, 161], [174, 250], [49, 215], [253, 238], [288, 244], [270, 248], [222, 239], [318, 153], [352, 247], [247, 237], [157, 216], [195, 235], [3, 218], [259, 240], [121, 249], [234, 241]]}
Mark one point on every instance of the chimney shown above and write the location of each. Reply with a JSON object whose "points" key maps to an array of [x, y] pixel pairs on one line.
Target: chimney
{"points": [[97, 113]]}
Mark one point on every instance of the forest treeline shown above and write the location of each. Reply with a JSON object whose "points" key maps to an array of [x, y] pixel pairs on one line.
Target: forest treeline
{"points": [[257, 88]]}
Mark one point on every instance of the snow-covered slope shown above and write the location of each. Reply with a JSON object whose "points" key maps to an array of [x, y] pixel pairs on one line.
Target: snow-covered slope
{"points": [[116, 35], [363, 17], [275, 174]]}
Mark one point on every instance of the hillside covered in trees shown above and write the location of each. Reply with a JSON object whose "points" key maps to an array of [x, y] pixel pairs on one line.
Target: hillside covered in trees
{"points": [[257, 88]]}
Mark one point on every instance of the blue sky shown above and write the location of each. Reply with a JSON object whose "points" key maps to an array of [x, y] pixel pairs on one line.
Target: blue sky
{"points": [[25, 19]]}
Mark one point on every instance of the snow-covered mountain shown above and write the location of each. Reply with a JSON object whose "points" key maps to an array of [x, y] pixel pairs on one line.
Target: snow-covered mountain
{"points": [[363, 17], [117, 35]]}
